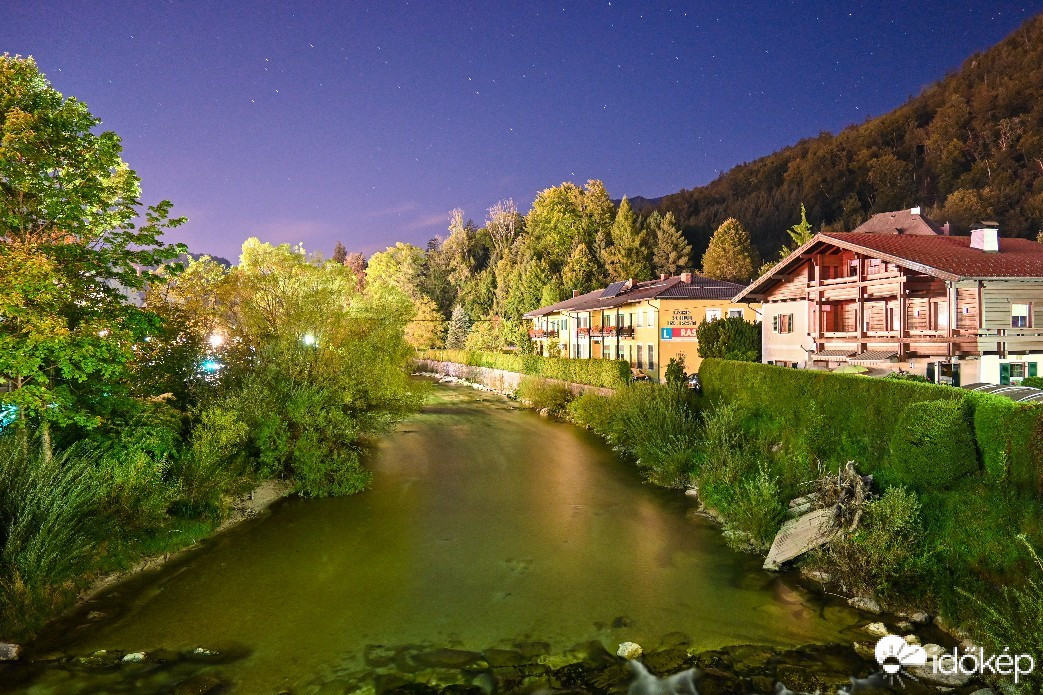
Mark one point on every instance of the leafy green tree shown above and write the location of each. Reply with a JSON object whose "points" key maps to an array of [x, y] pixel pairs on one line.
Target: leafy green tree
{"points": [[732, 338], [730, 255], [459, 328], [581, 273], [71, 253], [400, 267], [427, 329], [630, 253], [673, 253]]}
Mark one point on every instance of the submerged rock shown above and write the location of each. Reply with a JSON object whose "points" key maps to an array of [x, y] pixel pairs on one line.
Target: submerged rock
{"points": [[876, 629], [9, 651], [532, 650], [629, 650], [448, 658], [506, 657], [200, 684], [133, 657]]}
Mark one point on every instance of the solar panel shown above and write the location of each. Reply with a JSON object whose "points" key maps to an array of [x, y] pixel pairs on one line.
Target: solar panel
{"points": [[613, 289]]}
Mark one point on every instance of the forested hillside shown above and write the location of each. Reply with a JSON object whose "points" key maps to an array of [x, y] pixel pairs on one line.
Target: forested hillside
{"points": [[968, 148]]}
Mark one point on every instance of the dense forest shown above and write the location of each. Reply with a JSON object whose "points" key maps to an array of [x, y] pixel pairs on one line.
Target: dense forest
{"points": [[970, 147]]}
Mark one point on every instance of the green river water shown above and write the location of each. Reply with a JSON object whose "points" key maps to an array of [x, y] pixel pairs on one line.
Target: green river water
{"points": [[486, 526]]}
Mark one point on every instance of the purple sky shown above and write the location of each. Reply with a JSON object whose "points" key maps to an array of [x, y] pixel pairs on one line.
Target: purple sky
{"points": [[367, 122]]}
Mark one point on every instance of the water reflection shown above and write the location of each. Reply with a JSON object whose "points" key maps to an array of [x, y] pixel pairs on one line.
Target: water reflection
{"points": [[485, 527]]}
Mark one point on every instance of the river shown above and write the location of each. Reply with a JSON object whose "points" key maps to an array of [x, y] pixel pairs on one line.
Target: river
{"points": [[486, 527]]}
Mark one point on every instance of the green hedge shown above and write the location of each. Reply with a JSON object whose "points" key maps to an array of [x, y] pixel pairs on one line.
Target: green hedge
{"points": [[605, 373], [858, 416], [932, 446]]}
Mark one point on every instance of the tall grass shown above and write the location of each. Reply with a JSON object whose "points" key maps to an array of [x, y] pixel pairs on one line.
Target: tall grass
{"points": [[52, 529]]}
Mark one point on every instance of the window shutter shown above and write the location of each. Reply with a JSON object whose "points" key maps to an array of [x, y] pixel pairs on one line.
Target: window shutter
{"points": [[1005, 374], [775, 323], [1032, 368]]}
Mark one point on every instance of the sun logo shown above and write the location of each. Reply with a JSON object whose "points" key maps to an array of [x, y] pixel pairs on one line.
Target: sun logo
{"points": [[893, 653]]}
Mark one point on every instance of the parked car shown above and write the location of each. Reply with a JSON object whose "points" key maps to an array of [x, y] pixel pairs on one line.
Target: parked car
{"points": [[694, 384]]}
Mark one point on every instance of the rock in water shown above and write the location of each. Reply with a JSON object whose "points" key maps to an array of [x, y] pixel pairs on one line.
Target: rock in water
{"points": [[864, 603], [877, 629], [10, 651], [134, 657], [630, 650]]}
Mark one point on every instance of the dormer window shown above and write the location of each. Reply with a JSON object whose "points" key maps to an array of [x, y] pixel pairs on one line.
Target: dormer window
{"points": [[1020, 315]]}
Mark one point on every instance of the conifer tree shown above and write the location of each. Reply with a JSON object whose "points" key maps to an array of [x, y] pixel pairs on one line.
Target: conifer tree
{"points": [[730, 255], [459, 327], [672, 252], [581, 272], [630, 255]]}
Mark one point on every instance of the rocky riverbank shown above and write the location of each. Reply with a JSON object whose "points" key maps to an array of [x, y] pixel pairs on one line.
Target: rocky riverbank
{"points": [[521, 667]]}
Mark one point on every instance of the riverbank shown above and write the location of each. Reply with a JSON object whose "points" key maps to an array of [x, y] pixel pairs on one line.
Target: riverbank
{"points": [[580, 552]]}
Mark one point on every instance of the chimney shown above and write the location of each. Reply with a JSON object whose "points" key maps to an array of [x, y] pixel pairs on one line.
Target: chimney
{"points": [[686, 277], [575, 293], [986, 239], [662, 276], [914, 211], [946, 230]]}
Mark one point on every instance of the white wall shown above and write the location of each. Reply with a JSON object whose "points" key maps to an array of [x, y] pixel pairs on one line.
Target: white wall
{"points": [[787, 347]]}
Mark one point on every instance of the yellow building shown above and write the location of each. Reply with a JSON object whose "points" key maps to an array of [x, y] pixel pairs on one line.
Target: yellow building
{"points": [[644, 323]]}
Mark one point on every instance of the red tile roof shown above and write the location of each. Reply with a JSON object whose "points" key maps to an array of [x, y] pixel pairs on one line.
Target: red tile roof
{"points": [[952, 255], [670, 288]]}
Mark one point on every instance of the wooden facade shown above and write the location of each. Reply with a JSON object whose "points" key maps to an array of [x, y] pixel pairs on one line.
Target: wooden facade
{"points": [[835, 302]]}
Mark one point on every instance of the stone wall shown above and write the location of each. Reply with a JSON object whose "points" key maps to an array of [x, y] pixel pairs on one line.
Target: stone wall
{"points": [[497, 380]]}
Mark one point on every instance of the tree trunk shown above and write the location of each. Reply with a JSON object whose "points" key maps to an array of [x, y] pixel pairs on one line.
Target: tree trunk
{"points": [[45, 441]]}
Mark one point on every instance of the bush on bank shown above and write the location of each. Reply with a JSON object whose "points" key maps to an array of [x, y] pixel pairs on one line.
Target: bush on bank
{"points": [[603, 373]]}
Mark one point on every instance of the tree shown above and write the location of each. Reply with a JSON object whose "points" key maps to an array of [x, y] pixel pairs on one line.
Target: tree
{"points": [[71, 250], [357, 263], [400, 267], [504, 224], [732, 338], [427, 329], [673, 253], [730, 255], [340, 254], [581, 273], [630, 255], [675, 374], [459, 327]]}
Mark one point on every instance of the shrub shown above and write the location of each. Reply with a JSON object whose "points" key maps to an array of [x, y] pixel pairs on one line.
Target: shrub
{"points": [[908, 376], [52, 528], [134, 460], [544, 394], [732, 338], [215, 460], [1035, 382], [754, 514], [592, 410], [675, 374], [656, 425], [884, 555], [1015, 621], [932, 446]]}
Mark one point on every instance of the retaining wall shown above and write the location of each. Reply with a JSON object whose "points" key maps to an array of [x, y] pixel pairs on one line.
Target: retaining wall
{"points": [[497, 380]]}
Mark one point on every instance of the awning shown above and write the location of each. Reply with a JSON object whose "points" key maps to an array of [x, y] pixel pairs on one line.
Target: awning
{"points": [[831, 354], [874, 356]]}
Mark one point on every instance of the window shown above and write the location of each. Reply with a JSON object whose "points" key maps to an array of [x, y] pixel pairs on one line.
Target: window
{"points": [[782, 323], [874, 266], [630, 354], [640, 363], [713, 314], [630, 320], [941, 315], [1014, 372], [735, 313], [608, 320], [852, 268], [651, 319], [1020, 315], [651, 357], [640, 318]]}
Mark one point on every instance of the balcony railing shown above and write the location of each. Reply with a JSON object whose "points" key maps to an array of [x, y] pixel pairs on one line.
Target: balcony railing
{"points": [[612, 331], [541, 333]]}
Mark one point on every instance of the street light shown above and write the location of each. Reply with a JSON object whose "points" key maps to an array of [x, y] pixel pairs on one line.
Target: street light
{"points": [[309, 339], [216, 340]]}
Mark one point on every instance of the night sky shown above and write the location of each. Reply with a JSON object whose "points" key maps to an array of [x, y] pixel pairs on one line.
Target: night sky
{"points": [[367, 122]]}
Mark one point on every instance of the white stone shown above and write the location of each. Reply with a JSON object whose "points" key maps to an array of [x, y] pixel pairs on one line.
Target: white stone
{"points": [[927, 674], [134, 657], [9, 651], [876, 629], [911, 639], [629, 650]]}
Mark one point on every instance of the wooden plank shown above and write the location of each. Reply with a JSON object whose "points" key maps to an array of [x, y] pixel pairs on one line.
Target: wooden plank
{"points": [[798, 536]]}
